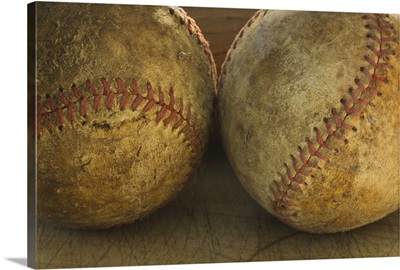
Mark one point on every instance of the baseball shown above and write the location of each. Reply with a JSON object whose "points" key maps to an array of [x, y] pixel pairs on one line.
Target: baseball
{"points": [[125, 98], [309, 113]]}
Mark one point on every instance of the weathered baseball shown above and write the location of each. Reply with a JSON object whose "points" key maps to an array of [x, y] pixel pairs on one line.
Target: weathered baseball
{"points": [[309, 111], [124, 109]]}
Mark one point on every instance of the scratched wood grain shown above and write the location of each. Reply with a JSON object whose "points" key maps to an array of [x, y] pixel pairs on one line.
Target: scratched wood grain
{"points": [[213, 219]]}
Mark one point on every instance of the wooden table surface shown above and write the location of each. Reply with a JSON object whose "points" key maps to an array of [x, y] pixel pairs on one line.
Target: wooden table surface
{"points": [[213, 219]]}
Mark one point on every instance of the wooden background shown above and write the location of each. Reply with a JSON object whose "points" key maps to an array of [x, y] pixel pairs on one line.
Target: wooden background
{"points": [[213, 219]]}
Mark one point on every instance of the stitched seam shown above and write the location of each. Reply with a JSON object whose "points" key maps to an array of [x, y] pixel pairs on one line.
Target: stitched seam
{"points": [[228, 57], [54, 111], [192, 135], [336, 125], [193, 29]]}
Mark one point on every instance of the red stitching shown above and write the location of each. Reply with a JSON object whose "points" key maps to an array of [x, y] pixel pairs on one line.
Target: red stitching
{"points": [[53, 112], [194, 30], [233, 47], [335, 125], [54, 116]]}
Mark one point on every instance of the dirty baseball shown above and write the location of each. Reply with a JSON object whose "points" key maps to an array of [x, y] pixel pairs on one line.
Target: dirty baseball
{"points": [[309, 113], [125, 100]]}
